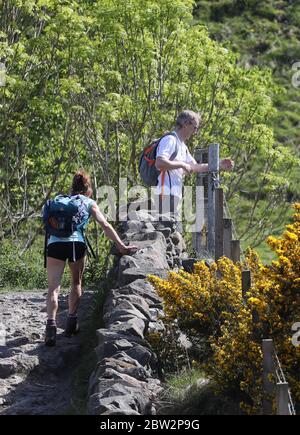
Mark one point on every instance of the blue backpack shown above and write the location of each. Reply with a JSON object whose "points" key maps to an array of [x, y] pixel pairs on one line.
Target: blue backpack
{"points": [[63, 215]]}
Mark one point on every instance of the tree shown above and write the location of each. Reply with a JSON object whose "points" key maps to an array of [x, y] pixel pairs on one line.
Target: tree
{"points": [[89, 83]]}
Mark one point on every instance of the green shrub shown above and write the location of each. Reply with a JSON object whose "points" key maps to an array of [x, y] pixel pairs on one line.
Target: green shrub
{"points": [[24, 271]]}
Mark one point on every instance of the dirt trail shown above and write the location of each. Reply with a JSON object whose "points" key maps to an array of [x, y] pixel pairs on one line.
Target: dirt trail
{"points": [[35, 379]]}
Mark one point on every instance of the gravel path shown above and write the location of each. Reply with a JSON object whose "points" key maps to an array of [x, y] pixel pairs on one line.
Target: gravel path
{"points": [[35, 379]]}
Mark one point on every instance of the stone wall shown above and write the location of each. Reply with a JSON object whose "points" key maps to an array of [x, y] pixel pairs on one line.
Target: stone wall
{"points": [[126, 378]]}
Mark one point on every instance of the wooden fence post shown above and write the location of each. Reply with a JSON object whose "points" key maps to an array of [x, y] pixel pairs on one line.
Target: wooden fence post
{"points": [[235, 251], [199, 238], [213, 177], [282, 398], [268, 369], [246, 282], [219, 222], [227, 224]]}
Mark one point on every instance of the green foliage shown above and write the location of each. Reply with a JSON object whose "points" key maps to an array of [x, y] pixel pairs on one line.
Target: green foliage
{"points": [[25, 270], [21, 271], [265, 34]]}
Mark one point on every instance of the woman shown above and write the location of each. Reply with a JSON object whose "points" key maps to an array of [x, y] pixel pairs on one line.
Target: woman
{"points": [[73, 249]]}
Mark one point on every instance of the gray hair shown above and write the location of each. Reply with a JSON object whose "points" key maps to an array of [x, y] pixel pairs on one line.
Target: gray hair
{"points": [[187, 116]]}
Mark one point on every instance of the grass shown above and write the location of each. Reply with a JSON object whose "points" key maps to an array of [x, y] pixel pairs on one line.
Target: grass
{"points": [[191, 393]]}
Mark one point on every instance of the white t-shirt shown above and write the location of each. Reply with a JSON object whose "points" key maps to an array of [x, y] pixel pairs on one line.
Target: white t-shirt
{"points": [[166, 148]]}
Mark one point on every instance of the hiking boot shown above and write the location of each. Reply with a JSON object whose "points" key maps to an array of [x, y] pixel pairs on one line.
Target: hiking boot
{"points": [[72, 326], [50, 337]]}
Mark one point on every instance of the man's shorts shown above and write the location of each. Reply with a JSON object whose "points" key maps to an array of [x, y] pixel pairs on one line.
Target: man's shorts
{"points": [[72, 251]]}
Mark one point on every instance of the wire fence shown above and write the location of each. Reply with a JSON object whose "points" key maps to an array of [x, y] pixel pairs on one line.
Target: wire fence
{"points": [[281, 380], [275, 385]]}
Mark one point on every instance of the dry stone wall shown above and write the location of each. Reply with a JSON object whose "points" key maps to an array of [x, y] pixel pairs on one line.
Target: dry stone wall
{"points": [[126, 378]]}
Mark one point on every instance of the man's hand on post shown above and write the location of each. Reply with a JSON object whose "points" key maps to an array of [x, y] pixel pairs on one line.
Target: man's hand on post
{"points": [[187, 168], [226, 164]]}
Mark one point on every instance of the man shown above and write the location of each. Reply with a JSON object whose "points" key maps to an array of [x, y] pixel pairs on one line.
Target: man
{"points": [[170, 181]]}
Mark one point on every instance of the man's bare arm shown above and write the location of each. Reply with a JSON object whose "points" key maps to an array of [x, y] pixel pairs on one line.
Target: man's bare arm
{"points": [[225, 165], [163, 164]]}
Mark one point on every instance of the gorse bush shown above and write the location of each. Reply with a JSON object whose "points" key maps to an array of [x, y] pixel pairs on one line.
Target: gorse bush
{"points": [[209, 301]]}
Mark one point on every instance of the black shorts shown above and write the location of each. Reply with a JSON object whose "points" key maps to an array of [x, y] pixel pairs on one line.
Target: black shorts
{"points": [[66, 251]]}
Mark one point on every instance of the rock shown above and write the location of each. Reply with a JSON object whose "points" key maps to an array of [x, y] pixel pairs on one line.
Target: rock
{"points": [[138, 302], [126, 262], [171, 263], [143, 356], [176, 238], [133, 274], [7, 368], [116, 405], [156, 327], [132, 226], [110, 348], [132, 326], [143, 289], [26, 363], [148, 235], [184, 256], [149, 227], [177, 251], [107, 335], [140, 215], [179, 242], [188, 264], [120, 395], [111, 367], [165, 231], [121, 307], [160, 225], [156, 314], [177, 263]]}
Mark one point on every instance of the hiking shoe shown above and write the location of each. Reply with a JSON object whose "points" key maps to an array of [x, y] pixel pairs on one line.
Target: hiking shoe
{"points": [[72, 326], [50, 337]]}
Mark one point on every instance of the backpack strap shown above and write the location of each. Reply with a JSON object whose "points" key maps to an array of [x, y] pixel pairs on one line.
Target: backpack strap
{"points": [[87, 242], [45, 249], [172, 157], [90, 249]]}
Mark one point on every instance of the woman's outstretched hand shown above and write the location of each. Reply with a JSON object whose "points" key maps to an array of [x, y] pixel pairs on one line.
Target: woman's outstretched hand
{"points": [[125, 250]]}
